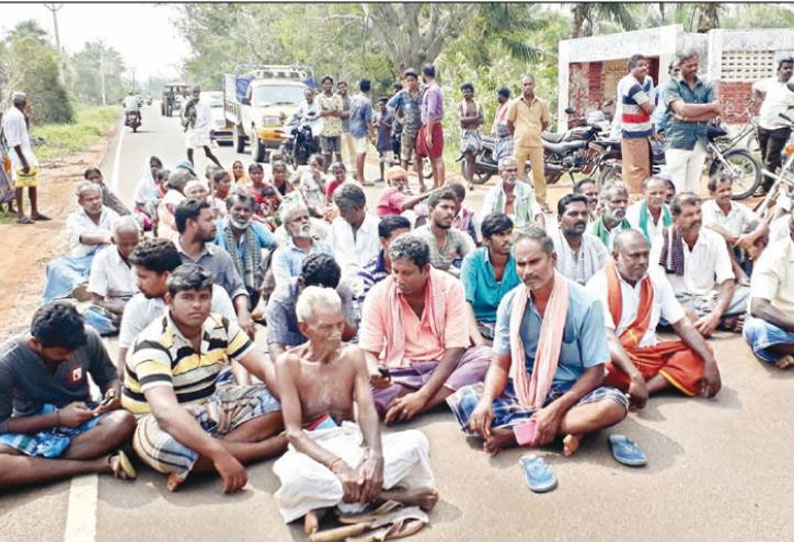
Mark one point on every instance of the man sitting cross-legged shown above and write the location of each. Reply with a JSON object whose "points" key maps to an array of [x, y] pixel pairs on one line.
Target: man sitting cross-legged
{"points": [[548, 364], [634, 300], [413, 328], [579, 254], [49, 428], [337, 457], [770, 329], [186, 422]]}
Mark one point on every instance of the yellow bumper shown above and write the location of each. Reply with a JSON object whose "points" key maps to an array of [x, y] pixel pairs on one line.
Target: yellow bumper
{"points": [[273, 135]]}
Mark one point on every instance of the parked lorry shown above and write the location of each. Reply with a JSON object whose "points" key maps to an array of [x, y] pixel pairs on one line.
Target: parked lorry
{"points": [[173, 94], [259, 100]]}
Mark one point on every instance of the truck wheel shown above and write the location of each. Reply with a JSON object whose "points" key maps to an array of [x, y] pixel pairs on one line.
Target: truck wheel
{"points": [[162, 109], [257, 148], [239, 140]]}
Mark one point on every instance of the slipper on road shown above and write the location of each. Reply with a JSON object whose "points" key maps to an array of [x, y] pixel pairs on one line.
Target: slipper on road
{"points": [[626, 451], [537, 474]]}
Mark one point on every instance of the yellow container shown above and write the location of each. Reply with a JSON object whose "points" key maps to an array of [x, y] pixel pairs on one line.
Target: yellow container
{"points": [[31, 178]]}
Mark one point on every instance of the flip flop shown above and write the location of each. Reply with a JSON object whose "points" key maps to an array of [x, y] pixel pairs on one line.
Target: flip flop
{"points": [[24, 220], [40, 217], [125, 469], [734, 324], [537, 474], [626, 451], [371, 515], [401, 528]]}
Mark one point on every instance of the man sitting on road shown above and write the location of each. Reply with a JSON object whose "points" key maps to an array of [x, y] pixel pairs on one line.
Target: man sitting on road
{"points": [[548, 365], [770, 327], [186, 423], [49, 427], [379, 267], [698, 266], [112, 280], [244, 240], [283, 331], [288, 259], [634, 300], [338, 455], [744, 232], [197, 230], [153, 261], [515, 199], [413, 328], [651, 213], [615, 198], [88, 229], [354, 233], [579, 254], [487, 275], [397, 198], [448, 245]]}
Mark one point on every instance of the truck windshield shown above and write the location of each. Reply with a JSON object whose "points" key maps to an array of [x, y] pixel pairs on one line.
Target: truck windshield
{"points": [[278, 94]]}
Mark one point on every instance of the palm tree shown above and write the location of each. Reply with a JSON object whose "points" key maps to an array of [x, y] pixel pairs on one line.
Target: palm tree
{"points": [[586, 17], [29, 29], [507, 24]]}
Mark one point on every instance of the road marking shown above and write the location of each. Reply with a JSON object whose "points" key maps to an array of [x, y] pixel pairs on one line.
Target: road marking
{"points": [[81, 511], [114, 179]]}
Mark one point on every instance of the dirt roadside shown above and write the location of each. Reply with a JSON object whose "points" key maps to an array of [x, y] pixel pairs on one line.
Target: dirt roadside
{"points": [[26, 249]]}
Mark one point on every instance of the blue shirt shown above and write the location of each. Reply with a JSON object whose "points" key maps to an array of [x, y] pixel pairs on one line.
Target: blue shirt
{"points": [[288, 260], [584, 341], [482, 290], [677, 133], [264, 238], [409, 107], [360, 115]]}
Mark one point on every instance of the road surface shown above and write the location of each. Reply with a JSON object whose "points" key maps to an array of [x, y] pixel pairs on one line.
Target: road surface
{"points": [[718, 469]]}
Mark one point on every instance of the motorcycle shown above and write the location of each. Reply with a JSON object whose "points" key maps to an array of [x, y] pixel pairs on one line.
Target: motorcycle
{"points": [[570, 152], [298, 146], [132, 119], [737, 163]]}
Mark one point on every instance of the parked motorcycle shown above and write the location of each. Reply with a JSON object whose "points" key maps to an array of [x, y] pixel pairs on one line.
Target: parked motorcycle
{"points": [[570, 152], [297, 148], [132, 119]]}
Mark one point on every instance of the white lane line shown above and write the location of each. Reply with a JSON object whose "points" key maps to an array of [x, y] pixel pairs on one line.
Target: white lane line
{"points": [[114, 178], [81, 511]]}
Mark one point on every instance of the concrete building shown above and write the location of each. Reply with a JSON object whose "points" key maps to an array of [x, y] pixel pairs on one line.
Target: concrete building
{"points": [[590, 68]]}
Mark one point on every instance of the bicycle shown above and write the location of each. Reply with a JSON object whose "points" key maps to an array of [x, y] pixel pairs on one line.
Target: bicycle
{"points": [[785, 181]]}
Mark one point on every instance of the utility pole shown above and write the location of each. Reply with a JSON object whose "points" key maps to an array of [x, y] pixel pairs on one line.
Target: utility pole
{"points": [[54, 8], [133, 79], [102, 70]]}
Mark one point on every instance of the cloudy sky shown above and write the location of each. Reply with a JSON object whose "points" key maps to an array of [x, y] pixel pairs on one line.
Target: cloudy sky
{"points": [[142, 33]]}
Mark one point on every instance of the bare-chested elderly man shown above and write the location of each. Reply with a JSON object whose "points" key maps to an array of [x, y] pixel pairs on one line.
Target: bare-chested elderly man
{"points": [[336, 455]]}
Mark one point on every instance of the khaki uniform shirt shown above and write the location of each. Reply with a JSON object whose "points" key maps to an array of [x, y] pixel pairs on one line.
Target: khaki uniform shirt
{"points": [[528, 119]]}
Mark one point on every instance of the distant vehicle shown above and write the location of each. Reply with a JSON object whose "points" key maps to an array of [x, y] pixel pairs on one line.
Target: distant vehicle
{"points": [[259, 100], [222, 131], [149, 99], [132, 119], [172, 98]]}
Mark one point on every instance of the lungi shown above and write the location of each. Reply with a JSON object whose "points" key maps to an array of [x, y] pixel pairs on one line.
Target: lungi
{"points": [[761, 335], [51, 443], [636, 153]]}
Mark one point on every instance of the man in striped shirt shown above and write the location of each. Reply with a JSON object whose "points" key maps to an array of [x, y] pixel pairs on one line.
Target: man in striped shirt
{"points": [[635, 93], [185, 422]]}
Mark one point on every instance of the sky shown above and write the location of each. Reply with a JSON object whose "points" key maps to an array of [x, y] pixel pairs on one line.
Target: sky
{"points": [[142, 33]]}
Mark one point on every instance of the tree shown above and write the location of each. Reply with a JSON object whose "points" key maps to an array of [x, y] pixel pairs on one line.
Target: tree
{"points": [[587, 16], [86, 70]]}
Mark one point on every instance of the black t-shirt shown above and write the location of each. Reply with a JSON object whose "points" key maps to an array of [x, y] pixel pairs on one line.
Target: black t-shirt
{"points": [[26, 384]]}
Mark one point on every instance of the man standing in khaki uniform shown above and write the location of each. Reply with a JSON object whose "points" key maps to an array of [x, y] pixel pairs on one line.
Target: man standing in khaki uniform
{"points": [[526, 119]]}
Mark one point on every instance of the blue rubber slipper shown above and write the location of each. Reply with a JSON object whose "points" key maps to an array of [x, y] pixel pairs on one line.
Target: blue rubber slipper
{"points": [[626, 451], [538, 476]]}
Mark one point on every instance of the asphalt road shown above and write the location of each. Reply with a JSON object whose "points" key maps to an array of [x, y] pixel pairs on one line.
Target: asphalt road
{"points": [[718, 469]]}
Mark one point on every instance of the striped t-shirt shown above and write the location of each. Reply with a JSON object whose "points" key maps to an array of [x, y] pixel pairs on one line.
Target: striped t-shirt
{"points": [[162, 356], [634, 122]]}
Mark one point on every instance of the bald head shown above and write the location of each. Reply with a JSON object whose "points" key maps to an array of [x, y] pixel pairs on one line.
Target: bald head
{"points": [[631, 251], [627, 239], [126, 235]]}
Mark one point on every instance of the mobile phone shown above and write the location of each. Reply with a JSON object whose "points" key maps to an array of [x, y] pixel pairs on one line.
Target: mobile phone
{"points": [[525, 432], [384, 372], [106, 401]]}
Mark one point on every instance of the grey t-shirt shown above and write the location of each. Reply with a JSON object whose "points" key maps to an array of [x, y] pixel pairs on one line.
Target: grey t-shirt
{"points": [[458, 245], [26, 384], [346, 108]]}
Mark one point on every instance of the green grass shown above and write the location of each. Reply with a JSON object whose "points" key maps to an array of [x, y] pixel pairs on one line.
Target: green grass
{"points": [[63, 139]]}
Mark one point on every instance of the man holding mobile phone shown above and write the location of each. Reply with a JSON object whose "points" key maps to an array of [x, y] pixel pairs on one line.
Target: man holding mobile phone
{"points": [[548, 364]]}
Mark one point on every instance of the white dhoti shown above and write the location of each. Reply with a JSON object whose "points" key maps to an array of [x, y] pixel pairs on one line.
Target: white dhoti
{"points": [[307, 485], [197, 137]]}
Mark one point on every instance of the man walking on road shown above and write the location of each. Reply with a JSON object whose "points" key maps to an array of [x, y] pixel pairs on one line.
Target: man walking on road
{"points": [[197, 119], [773, 131], [24, 166], [526, 119], [430, 140]]}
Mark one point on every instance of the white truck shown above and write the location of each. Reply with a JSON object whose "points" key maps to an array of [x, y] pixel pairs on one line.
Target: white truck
{"points": [[259, 100]]}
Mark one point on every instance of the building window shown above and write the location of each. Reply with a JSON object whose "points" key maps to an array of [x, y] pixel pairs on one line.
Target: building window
{"points": [[741, 66]]}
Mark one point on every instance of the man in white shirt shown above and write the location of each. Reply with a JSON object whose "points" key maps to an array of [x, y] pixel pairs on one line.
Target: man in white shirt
{"points": [[197, 119], [615, 198], [634, 301], [698, 266], [88, 229], [770, 327], [651, 213], [153, 261], [17, 136], [112, 281], [579, 254], [773, 131], [132, 102], [354, 233]]}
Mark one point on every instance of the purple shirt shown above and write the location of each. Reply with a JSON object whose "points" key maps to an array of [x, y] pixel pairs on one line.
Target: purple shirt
{"points": [[432, 104]]}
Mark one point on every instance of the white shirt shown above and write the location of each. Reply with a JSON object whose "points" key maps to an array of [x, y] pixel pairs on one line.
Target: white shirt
{"points": [[705, 266], [776, 100], [773, 276], [633, 216], [111, 276], [664, 304], [142, 311], [203, 117], [131, 103], [737, 221], [79, 223], [354, 252], [579, 266], [15, 130]]}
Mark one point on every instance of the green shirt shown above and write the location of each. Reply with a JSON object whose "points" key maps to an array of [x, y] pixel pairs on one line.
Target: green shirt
{"points": [[679, 134]]}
